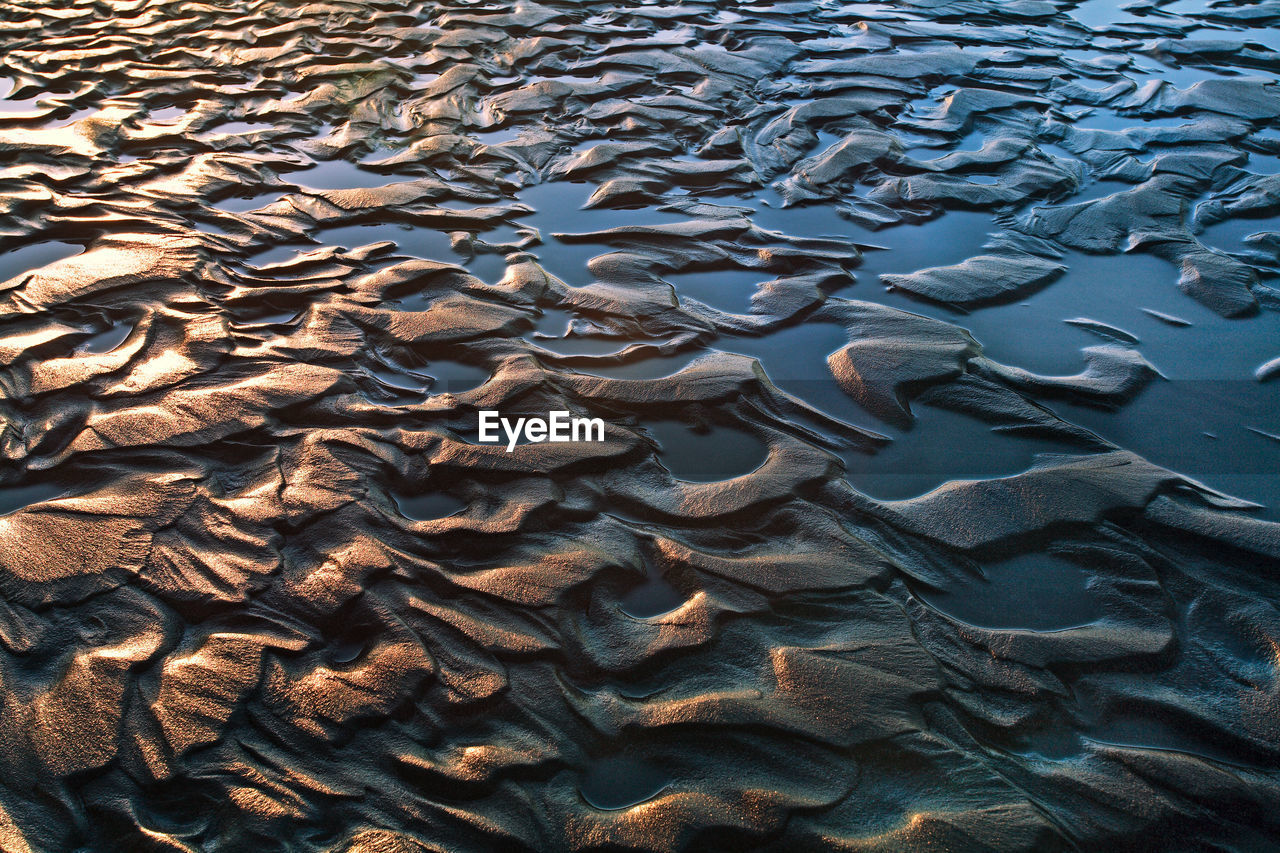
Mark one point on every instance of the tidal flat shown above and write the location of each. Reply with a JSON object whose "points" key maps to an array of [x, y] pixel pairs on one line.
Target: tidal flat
{"points": [[936, 346]]}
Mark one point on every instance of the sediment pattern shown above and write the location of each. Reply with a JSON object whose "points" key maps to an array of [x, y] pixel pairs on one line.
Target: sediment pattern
{"points": [[264, 590]]}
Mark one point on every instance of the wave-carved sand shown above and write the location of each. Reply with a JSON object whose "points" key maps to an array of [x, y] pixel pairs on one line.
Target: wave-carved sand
{"points": [[853, 569]]}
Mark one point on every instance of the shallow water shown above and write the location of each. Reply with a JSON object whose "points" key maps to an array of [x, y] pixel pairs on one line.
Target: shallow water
{"points": [[703, 455], [1039, 592], [428, 507], [24, 258], [16, 498], [343, 175], [621, 782]]}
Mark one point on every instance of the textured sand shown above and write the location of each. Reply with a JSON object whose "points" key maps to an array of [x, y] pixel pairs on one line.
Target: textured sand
{"points": [[854, 569]]}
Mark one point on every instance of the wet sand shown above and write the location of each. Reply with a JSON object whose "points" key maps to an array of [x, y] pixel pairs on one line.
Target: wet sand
{"points": [[937, 507]]}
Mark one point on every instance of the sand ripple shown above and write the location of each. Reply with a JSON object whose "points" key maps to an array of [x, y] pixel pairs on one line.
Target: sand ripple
{"points": [[852, 570]]}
